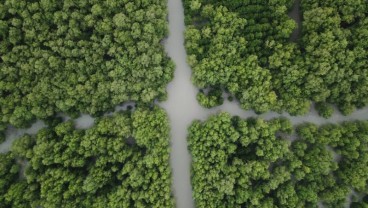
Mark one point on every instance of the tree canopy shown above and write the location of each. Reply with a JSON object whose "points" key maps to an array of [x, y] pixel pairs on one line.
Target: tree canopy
{"points": [[256, 163], [122, 161], [84, 56], [80, 56], [244, 47]]}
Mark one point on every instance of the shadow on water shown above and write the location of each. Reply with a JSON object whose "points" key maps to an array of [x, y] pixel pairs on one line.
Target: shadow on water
{"points": [[296, 15]]}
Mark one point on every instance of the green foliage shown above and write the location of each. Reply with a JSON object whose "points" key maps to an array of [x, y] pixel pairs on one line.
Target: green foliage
{"points": [[325, 110], [226, 44], [335, 55], [249, 163], [244, 47], [80, 56], [231, 160], [122, 161], [211, 99], [2, 132], [8, 175]]}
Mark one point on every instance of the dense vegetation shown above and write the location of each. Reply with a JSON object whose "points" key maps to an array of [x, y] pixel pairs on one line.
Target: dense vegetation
{"points": [[244, 48], [253, 163], [122, 161], [80, 56], [88, 56]]}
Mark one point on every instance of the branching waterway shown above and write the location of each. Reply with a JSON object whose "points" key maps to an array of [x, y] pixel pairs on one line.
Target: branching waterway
{"points": [[182, 108]]}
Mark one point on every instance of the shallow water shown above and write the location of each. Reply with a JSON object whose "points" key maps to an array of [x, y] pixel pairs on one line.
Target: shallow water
{"points": [[85, 121], [13, 133]]}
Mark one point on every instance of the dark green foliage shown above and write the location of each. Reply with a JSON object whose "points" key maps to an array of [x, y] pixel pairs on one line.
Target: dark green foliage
{"points": [[8, 175], [244, 47], [231, 158], [97, 167], [249, 163], [218, 54], [210, 99], [80, 56], [230, 98], [335, 52], [325, 110], [2, 137], [2, 132], [229, 44]]}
